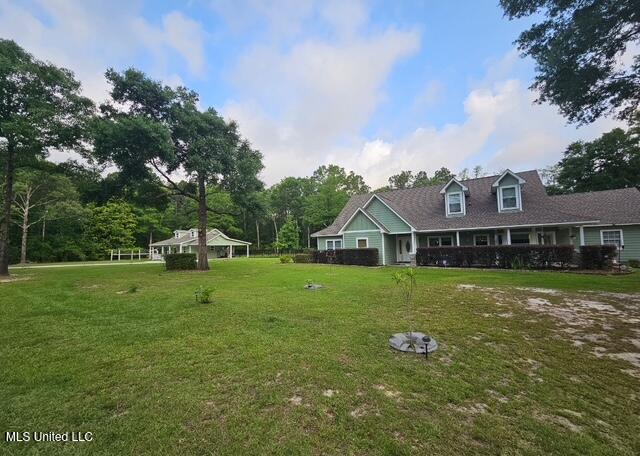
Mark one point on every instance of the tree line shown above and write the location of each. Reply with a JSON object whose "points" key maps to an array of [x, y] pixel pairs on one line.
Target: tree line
{"points": [[154, 162]]}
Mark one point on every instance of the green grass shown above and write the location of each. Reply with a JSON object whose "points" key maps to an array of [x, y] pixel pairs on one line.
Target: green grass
{"points": [[151, 372]]}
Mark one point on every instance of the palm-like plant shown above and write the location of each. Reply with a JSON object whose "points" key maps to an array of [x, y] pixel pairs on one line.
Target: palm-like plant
{"points": [[406, 281]]}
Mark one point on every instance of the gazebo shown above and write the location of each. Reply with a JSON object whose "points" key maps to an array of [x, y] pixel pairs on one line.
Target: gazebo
{"points": [[219, 245]]}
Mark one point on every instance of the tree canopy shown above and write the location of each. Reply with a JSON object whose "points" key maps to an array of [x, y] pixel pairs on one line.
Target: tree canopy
{"points": [[580, 47], [41, 108]]}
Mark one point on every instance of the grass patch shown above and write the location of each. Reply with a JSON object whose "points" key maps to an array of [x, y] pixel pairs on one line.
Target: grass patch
{"points": [[272, 368]]}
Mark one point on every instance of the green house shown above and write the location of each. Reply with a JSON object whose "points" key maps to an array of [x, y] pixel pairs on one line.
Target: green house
{"points": [[512, 208]]}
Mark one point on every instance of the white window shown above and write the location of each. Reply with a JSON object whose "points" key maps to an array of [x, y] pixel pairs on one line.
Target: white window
{"points": [[509, 198], [480, 239], [334, 244], [362, 243], [455, 203], [612, 237], [440, 241]]}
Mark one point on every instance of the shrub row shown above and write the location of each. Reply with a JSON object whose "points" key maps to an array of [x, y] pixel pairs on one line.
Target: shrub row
{"points": [[180, 261], [302, 258], [360, 257], [497, 256], [597, 256]]}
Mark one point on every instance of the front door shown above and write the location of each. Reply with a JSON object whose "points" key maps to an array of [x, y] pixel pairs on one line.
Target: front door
{"points": [[403, 248]]}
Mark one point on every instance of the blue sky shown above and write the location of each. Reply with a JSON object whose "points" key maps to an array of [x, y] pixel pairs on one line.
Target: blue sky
{"points": [[376, 87]]}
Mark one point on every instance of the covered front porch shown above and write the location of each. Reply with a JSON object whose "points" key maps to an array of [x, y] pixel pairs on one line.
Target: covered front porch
{"points": [[401, 246]]}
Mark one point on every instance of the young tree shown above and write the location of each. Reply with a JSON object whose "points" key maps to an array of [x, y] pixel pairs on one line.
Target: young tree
{"points": [[41, 109], [149, 129], [578, 46], [38, 195], [288, 236]]}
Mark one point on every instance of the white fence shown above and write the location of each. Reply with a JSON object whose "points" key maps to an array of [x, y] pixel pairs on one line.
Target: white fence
{"points": [[132, 254]]}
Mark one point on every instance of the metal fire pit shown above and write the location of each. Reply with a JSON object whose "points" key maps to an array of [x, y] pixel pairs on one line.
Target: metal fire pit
{"points": [[413, 342]]}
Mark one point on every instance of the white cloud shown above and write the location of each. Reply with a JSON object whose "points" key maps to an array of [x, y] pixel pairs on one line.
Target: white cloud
{"points": [[325, 92], [90, 36]]}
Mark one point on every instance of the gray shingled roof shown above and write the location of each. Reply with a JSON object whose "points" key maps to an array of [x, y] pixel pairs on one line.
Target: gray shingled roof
{"points": [[424, 208], [608, 206]]}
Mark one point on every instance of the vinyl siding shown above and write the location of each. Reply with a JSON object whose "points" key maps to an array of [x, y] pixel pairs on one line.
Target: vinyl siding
{"points": [[360, 222], [322, 242], [389, 249], [630, 233], [390, 220], [375, 241]]}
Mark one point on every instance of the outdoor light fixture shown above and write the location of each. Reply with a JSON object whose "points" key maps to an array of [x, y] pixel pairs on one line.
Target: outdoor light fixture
{"points": [[426, 340]]}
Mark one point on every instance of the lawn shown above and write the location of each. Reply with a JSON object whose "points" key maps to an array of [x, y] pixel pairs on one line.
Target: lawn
{"points": [[270, 368]]}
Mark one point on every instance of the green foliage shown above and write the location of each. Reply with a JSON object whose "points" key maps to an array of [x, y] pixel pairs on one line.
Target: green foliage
{"points": [[284, 259], [577, 46], [133, 289], [406, 280], [111, 226], [302, 258], [180, 261], [406, 179], [634, 263], [203, 295], [609, 162], [288, 236], [41, 109]]}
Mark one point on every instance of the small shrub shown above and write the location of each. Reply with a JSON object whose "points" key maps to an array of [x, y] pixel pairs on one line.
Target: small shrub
{"points": [[286, 259], [302, 258], [180, 261], [203, 295], [360, 257], [597, 256], [132, 289], [635, 263]]}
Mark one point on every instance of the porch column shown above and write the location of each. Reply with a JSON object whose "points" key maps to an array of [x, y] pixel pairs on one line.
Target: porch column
{"points": [[247, 250], [458, 238], [582, 236], [230, 251], [180, 248], [508, 236], [414, 242]]}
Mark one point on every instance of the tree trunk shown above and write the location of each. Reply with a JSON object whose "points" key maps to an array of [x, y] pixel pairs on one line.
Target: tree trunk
{"points": [[203, 260], [6, 210], [258, 233], [44, 223], [308, 237], [25, 226], [275, 228]]}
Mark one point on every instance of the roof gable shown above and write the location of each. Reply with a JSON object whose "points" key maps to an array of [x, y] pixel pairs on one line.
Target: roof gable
{"points": [[362, 221], [454, 181], [506, 173], [387, 215]]}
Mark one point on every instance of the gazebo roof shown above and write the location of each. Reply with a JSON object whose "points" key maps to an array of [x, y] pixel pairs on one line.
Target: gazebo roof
{"points": [[215, 237]]}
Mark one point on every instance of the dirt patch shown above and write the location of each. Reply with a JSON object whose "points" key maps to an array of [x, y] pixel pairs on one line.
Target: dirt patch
{"points": [[329, 393], [14, 279], [387, 392], [471, 409], [587, 320]]}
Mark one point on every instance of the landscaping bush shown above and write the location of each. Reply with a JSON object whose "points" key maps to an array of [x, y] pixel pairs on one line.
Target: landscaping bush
{"points": [[597, 256], [360, 257], [302, 258], [497, 256], [634, 263], [286, 259], [180, 261]]}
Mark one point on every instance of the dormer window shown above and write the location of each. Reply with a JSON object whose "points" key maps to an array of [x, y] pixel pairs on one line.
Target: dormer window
{"points": [[193, 233], [508, 189], [509, 198], [454, 203], [455, 193]]}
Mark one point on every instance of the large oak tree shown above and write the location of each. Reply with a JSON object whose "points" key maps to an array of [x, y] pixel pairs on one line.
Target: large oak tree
{"points": [[41, 108], [149, 129], [580, 48]]}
